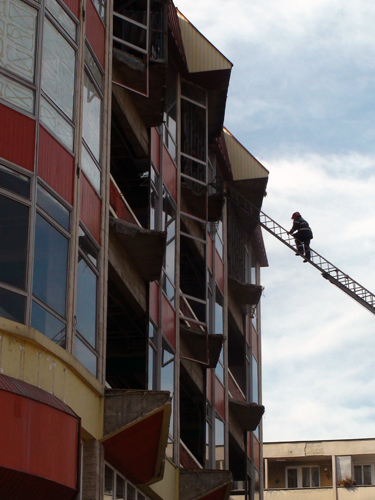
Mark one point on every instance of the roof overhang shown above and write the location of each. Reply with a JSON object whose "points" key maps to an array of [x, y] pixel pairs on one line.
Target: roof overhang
{"points": [[146, 248], [245, 294], [248, 415], [205, 66], [203, 484], [198, 346], [40, 438], [136, 427]]}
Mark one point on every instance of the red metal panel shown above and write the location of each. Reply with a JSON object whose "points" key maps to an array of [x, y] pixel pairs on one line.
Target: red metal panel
{"points": [[119, 206], [38, 440], [135, 450], [90, 208], [169, 322], [210, 253], [155, 148], [56, 165], [219, 272], [210, 385], [17, 133], [15, 485], [154, 302], [95, 32], [73, 5], [170, 174], [21, 388], [219, 398], [256, 448], [249, 438]]}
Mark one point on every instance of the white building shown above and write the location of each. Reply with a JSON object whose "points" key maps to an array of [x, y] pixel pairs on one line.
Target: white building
{"points": [[320, 470]]}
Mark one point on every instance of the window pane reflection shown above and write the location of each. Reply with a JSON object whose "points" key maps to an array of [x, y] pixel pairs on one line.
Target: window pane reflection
{"points": [[49, 325], [91, 117], [16, 94], [15, 182], [12, 306], [86, 302], [58, 68], [219, 444], [50, 265], [85, 356], [13, 237], [53, 207], [18, 35], [56, 123], [62, 18]]}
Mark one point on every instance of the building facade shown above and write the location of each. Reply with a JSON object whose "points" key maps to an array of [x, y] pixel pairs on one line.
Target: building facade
{"points": [[336, 470], [130, 332]]}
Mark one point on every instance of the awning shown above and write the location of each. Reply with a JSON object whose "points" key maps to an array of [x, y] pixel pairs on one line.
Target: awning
{"points": [[245, 294], [197, 204], [247, 414], [146, 248], [195, 344], [39, 450], [136, 427], [203, 484]]}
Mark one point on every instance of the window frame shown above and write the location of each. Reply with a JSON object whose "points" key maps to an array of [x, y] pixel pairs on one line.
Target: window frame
{"points": [[299, 469]]}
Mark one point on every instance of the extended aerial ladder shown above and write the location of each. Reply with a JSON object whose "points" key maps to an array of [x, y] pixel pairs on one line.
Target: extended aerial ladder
{"points": [[328, 270]]}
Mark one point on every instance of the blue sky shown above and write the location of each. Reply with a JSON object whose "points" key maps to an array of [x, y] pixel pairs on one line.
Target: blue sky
{"points": [[302, 100]]}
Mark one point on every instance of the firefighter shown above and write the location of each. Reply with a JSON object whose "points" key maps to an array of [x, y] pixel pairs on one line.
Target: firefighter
{"points": [[302, 234]]}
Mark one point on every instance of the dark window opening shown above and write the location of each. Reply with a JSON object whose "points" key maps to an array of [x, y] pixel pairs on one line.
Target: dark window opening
{"points": [[192, 417], [127, 338]]}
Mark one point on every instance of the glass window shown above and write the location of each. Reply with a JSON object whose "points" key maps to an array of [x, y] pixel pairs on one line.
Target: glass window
{"points": [[88, 247], [85, 356], [48, 324], [91, 169], [167, 371], [62, 18], [16, 94], [91, 117], [15, 182], [292, 478], [108, 483], [50, 265], [86, 302], [131, 492], [53, 207], [56, 123], [362, 474], [219, 444], [18, 35], [120, 488], [12, 306], [14, 220], [94, 68], [100, 7], [219, 323], [58, 67]]}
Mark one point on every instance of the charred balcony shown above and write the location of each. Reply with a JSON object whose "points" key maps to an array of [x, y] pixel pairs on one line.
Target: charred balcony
{"points": [[139, 63]]}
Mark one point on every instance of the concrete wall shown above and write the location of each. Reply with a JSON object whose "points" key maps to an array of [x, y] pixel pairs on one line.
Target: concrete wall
{"points": [[302, 494]]}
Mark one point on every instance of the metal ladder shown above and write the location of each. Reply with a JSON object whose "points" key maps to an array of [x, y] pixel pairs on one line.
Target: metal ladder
{"points": [[328, 270]]}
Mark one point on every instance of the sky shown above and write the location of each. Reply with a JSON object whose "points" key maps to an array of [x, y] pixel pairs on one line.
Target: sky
{"points": [[302, 101]]}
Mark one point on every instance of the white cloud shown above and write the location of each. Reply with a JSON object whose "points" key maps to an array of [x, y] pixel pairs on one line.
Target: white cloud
{"points": [[301, 99]]}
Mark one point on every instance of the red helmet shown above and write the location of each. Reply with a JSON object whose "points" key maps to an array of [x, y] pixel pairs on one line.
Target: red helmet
{"points": [[295, 215]]}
